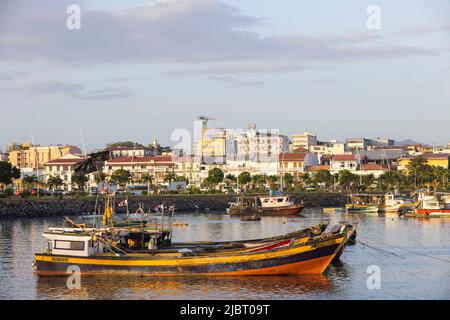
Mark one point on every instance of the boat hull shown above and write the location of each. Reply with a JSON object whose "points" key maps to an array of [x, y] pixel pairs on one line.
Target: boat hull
{"points": [[431, 213], [311, 258], [279, 211], [362, 208]]}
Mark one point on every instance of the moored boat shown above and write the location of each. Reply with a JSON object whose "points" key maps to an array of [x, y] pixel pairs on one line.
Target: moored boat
{"points": [[266, 206], [363, 203], [394, 203], [429, 205], [289, 254]]}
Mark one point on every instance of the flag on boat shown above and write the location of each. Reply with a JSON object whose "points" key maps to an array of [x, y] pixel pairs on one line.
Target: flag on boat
{"points": [[123, 203]]}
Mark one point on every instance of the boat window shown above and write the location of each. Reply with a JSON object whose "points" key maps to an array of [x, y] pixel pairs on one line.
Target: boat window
{"points": [[69, 245], [280, 200]]}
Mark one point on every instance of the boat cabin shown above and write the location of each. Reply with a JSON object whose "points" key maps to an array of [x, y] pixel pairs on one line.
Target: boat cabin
{"points": [[73, 245], [272, 202], [366, 199]]}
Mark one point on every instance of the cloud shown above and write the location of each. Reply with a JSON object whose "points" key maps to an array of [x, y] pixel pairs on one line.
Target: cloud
{"points": [[184, 31], [244, 67], [74, 90], [235, 83]]}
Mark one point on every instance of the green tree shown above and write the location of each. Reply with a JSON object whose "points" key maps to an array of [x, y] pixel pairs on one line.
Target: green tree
{"points": [[323, 176], [125, 144], [368, 180], [121, 177], [230, 179], [306, 179], [215, 176], [54, 182], [8, 173], [440, 177], [419, 171], [80, 181], [170, 177], [29, 181], [389, 180], [288, 180], [259, 180], [347, 180], [244, 178]]}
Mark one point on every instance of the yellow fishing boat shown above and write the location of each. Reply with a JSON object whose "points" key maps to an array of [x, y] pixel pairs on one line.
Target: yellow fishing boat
{"points": [[286, 255]]}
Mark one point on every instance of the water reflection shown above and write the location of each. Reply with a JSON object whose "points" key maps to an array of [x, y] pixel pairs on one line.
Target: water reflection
{"points": [[406, 274], [288, 287]]}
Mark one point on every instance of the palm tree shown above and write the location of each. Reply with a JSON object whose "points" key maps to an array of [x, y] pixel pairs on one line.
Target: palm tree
{"points": [[230, 179], [29, 181], [169, 177], [54, 182], [440, 177], [347, 180], [368, 180], [389, 180], [149, 179]]}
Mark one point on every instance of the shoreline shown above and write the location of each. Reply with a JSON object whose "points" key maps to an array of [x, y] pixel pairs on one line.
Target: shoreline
{"points": [[11, 208]]}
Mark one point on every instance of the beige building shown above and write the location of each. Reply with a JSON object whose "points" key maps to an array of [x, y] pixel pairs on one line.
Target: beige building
{"points": [[304, 140], [29, 156]]}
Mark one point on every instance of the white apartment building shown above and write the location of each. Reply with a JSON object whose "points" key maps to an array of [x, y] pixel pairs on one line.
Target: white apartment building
{"points": [[255, 151], [157, 166], [350, 162], [63, 168]]}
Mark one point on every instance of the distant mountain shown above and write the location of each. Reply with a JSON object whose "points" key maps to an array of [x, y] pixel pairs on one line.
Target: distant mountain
{"points": [[409, 142]]}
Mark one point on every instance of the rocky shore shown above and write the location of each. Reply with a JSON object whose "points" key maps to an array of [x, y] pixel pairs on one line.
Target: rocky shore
{"points": [[51, 207]]}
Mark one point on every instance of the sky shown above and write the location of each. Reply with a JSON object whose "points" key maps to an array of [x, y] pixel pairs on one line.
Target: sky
{"points": [[137, 69]]}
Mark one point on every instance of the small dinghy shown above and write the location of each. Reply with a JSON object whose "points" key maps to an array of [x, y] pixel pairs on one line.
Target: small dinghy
{"points": [[253, 217]]}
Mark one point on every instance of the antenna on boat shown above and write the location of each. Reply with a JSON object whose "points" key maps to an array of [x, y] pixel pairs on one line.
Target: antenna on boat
{"points": [[36, 160]]}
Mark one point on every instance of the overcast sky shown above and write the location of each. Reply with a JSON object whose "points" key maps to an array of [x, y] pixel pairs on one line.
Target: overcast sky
{"points": [[141, 69]]}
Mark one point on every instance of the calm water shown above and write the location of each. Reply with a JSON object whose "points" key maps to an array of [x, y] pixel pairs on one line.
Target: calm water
{"points": [[400, 247]]}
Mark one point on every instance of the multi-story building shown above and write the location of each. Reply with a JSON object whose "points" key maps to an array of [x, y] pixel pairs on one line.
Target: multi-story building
{"points": [[255, 151], [63, 168], [296, 163], [138, 151], [304, 140], [350, 162], [441, 149], [365, 144], [328, 147], [433, 159], [157, 166], [380, 142], [29, 156]]}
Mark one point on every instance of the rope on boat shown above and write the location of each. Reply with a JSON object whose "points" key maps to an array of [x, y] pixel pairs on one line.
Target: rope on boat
{"points": [[379, 250], [317, 205], [388, 253], [419, 253]]}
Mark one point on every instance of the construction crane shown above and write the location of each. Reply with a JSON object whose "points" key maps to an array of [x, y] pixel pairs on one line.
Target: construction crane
{"points": [[204, 120]]}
